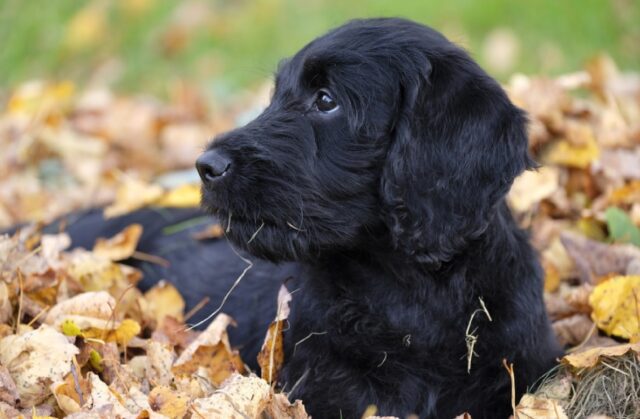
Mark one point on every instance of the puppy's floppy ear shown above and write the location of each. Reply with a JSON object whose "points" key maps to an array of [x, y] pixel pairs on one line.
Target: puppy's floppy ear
{"points": [[457, 145]]}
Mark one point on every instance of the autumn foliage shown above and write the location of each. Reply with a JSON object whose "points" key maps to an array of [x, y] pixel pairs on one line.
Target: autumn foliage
{"points": [[79, 339]]}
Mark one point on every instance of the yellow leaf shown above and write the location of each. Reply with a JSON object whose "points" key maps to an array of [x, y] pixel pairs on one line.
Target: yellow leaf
{"points": [[126, 331], [564, 153], [38, 97], [591, 228], [627, 194], [590, 357], [131, 195], [95, 273], [551, 276], [182, 196], [86, 28], [168, 402], [121, 246], [615, 306], [164, 300]]}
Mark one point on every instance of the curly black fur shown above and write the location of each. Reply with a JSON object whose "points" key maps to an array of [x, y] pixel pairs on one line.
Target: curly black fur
{"points": [[393, 204]]}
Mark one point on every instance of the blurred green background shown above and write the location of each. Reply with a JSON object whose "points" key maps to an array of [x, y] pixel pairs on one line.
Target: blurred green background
{"points": [[227, 45]]}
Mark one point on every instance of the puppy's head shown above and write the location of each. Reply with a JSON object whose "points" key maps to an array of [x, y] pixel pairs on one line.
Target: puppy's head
{"points": [[379, 127]]}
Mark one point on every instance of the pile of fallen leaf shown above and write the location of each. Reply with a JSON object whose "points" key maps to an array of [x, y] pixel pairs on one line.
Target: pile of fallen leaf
{"points": [[78, 337], [61, 149], [583, 210]]}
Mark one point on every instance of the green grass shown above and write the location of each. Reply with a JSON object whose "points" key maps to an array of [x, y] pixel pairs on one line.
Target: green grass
{"points": [[241, 41]]}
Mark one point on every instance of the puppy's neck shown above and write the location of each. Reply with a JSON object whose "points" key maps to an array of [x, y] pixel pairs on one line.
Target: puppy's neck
{"points": [[380, 256]]}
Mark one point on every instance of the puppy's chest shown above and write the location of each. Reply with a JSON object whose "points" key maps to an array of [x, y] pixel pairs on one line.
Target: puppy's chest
{"points": [[369, 330]]}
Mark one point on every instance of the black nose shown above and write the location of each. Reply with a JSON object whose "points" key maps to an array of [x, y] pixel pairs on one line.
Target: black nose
{"points": [[212, 165]]}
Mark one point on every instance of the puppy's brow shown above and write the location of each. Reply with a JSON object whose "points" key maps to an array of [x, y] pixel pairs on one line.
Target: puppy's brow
{"points": [[314, 72]]}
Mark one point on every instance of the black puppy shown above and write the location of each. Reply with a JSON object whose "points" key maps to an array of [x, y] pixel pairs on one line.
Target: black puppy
{"points": [[381, 165], [379, 169]]}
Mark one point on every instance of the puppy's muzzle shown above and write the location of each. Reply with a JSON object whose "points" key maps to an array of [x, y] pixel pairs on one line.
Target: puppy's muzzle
{"points": [[212, 166]]}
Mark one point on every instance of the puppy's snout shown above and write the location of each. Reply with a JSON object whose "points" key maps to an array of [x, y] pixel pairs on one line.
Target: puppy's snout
{"points": [[212, 166]]}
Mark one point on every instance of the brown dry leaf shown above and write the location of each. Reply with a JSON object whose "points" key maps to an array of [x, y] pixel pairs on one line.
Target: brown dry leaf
{"points": [[8, 390], [52, 245], [531, 187], [572, 331], [271, 355], [568, 300], [215, 360], [174, 332], [121, 246], [590, 357], [164, 300], [71, 393], [616, 306], [168, 402], [240, 397], [617, 164], [556, 255], [35, 360], [210, 351], [137, 401], [183, 143], [532, 407], [104, 400], [281, 407], [212, 231], [215, 333], [594, 259], [6, 309], [160, 358]]}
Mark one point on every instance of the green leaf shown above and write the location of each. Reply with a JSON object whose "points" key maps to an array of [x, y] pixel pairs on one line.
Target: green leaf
{"points": [[621, 228]]}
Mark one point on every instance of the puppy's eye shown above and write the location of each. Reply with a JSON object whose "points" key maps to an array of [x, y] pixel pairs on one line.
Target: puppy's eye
{"points": [[324, 102]]}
